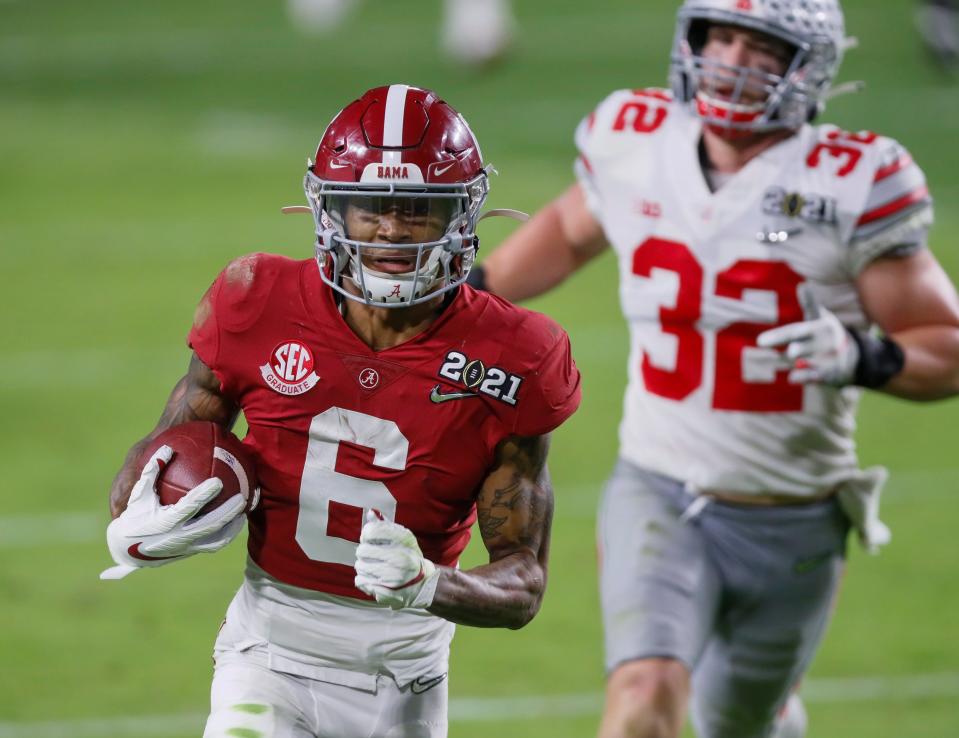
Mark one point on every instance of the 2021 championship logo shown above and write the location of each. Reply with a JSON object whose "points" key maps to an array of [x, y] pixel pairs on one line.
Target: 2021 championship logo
{"points": [[290, 369]]}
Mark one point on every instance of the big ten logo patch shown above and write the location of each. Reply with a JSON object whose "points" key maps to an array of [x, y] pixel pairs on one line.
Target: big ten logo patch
{"points": [[289, 370], [476, 376]]}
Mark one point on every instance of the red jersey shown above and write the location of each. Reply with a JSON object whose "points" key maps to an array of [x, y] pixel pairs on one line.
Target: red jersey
{"points": [[338, 428]]}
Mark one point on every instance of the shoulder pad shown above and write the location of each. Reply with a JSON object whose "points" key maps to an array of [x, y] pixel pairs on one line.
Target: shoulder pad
{"points": [[526, 334], [843, 154], [624, 113], [883, 191], [552, 392], [898, 206], [242, 289]]}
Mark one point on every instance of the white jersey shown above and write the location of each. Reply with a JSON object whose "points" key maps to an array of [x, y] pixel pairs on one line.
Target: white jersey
{"points": [[703, 273]]}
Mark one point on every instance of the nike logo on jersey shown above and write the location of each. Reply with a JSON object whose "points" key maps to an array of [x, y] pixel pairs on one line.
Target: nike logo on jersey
{"points": [[438, 397], [420, 684]]}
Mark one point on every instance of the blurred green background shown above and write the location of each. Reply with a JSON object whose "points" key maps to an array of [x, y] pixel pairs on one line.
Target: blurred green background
{"points": [[142, 145]]}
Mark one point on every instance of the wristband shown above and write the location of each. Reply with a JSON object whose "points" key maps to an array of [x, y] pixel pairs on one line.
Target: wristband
{"points": [[880, 359]]}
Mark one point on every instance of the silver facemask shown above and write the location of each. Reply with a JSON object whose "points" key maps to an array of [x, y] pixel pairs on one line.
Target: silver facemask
{"points": [[813, 28], [434, 267]]}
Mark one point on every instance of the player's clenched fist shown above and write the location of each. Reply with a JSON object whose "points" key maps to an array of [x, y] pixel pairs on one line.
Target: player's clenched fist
{"points": [[820, 350], [391, 567]]}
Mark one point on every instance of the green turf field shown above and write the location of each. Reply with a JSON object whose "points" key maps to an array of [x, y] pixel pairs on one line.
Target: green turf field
{"points": [[142, 145]]}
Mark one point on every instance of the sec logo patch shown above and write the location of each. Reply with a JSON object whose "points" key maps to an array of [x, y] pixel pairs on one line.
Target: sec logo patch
{"points": [[290, 369]]}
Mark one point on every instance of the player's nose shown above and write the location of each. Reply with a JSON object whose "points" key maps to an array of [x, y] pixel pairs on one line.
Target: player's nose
{"points": [[393, 228], [736, 52]]}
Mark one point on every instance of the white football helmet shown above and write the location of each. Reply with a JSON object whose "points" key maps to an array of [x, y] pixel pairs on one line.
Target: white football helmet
{"points": [[814, 29]]}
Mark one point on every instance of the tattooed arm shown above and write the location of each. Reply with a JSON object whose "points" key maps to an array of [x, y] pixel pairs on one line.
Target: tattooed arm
{"points": [[515, 511], [196, 396]]}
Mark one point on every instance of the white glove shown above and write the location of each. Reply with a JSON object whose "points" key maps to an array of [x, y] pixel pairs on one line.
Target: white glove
{"points": [[818, 350], [859, 499], [150, 534], [391, 567]]}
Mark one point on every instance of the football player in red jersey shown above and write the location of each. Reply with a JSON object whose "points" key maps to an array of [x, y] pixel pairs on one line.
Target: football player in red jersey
{"points": [[389, 407], [757, 249]]}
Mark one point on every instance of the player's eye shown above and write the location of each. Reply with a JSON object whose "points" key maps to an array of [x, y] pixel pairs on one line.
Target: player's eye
{"points": [[420, 208], [719, 33], [363, 204], [774, 51]]}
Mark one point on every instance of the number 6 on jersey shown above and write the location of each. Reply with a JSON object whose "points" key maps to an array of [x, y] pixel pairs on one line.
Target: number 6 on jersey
{"points": [[322, 484]]}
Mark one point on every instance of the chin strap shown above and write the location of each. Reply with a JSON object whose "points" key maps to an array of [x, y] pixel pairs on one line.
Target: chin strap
{"points": [[505, 213], [846, 88]]}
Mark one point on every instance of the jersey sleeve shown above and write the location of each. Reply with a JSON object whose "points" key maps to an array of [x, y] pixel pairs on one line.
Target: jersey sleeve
{"points": [[897, 212], [232, 303], [552, 392], [204, 336], [583, 167], [611, 132]]}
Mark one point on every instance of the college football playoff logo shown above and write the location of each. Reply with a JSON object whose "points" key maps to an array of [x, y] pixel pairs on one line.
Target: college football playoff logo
{"points": [[493, 381], [290, 369]]}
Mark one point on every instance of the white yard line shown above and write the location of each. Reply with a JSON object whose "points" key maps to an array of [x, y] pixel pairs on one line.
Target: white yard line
{"points": [[892, 688], [249, 135], [145, 725], [25, 531], [51, 529], [474, 709], [88, 368], [572, 501], [218, 132]]}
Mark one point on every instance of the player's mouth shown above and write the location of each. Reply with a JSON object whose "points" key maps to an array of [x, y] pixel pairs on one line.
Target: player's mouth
{"points": [[391, 264], [729, 96]]}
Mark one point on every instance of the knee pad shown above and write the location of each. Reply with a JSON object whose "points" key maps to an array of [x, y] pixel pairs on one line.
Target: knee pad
{"points": [[242, 720]]}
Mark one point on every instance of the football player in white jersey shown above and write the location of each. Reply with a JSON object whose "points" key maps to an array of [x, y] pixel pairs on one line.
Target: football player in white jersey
{"points": [[938, 22], [770, 268], [476, 33]]}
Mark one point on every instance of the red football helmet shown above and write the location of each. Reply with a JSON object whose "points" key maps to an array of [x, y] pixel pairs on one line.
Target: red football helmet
{"points": [[396, 189]]}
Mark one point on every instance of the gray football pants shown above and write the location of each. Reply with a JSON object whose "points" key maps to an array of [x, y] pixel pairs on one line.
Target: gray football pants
{"points": [[740, 594]]}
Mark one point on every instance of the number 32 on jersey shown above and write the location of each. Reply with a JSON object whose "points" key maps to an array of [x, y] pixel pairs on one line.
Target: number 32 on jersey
{"points": [[731, 390]]}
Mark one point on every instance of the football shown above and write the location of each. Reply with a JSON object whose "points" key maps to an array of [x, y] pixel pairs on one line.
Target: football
{"points": [[202, 450]]}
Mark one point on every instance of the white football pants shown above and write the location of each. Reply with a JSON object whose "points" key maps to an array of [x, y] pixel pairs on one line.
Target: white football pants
{"points": [[249, 698]]}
